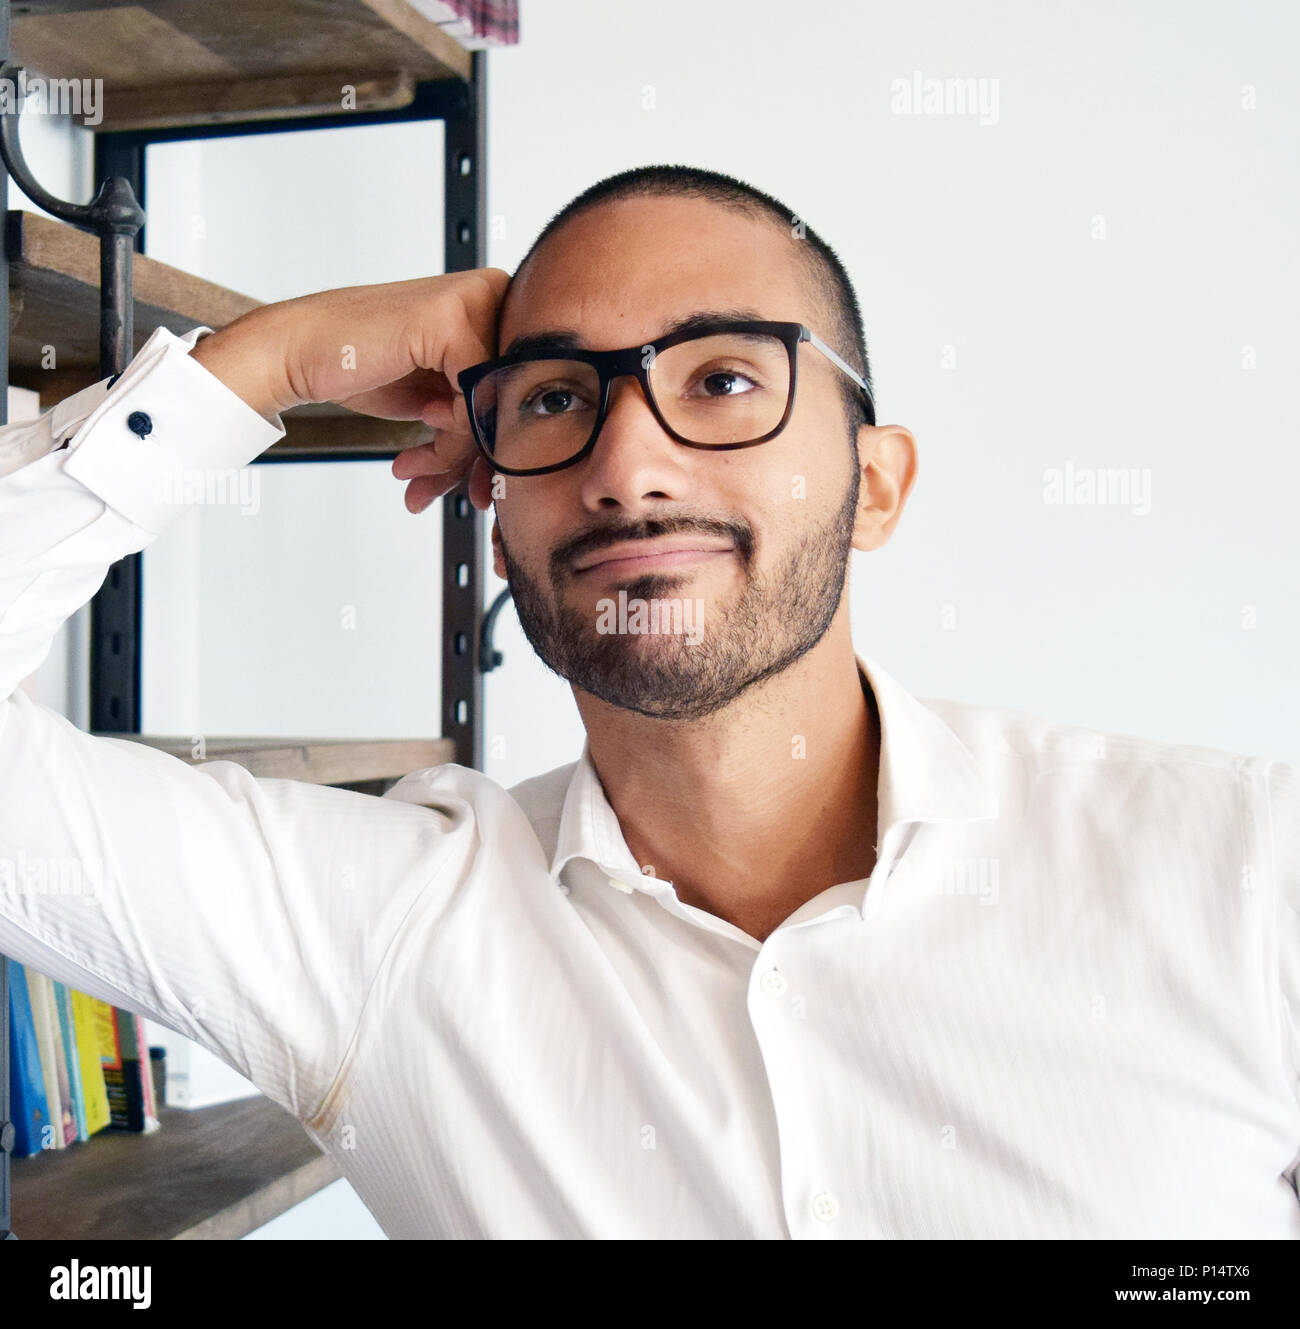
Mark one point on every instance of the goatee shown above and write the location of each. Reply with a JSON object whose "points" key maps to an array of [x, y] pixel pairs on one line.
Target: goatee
{"points": [[772, 622]]}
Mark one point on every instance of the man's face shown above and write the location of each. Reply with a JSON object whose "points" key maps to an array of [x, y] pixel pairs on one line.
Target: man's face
{"points": [[778, 518]]}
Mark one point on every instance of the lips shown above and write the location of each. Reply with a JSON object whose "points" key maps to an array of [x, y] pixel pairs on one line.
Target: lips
{"points": [[652, 550]]}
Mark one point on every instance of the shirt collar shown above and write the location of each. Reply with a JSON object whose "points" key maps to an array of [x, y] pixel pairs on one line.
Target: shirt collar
{"points": [[926, 775]]}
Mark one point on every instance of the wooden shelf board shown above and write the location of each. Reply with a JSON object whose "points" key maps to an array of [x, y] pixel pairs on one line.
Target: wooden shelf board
{"points": [[317, 437], [54, 296], [317, 760], [54, 303], [216, 1173], [185, 62]]}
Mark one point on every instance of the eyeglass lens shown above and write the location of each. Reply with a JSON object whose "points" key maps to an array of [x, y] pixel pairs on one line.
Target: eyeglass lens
{"points": [[714, 390]]}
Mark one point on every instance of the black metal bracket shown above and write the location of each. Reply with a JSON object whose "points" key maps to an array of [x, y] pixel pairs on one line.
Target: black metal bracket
{"points": [[113, 214], [488, 656]]}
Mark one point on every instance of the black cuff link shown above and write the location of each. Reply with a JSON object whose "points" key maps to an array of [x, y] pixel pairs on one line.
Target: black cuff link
{"points": [[138, 422]]}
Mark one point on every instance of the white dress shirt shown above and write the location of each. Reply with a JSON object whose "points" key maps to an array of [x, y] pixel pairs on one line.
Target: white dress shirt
{"points": [[1066, 1003]]}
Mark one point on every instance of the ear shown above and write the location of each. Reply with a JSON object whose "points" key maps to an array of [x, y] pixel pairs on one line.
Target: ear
{"points": [[887, 457], [498, 557]]}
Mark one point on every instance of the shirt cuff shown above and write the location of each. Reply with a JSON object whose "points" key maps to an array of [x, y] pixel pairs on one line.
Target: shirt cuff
{"points": [[139, 440]]}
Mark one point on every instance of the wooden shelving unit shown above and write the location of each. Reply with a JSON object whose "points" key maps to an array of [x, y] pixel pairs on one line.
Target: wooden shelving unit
{"points": [[54, 301], [167, 63], [215, 1173], [336, 761], [175, 69]]}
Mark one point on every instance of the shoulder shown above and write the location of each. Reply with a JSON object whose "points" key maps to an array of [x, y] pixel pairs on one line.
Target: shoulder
{"points": [[1105, 769], [540, 797], [524, 817]]}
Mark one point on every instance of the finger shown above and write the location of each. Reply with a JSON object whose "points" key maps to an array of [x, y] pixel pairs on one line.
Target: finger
{"points": [[480, 484], [422, 459], [447, 452], [403, 399], [450, 412], [468, 341], [425, 490]]}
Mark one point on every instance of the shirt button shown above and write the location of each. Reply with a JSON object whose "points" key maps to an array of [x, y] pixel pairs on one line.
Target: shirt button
{"points": [[773, 983], [620, 886], [138, 422], [825, 1206]]}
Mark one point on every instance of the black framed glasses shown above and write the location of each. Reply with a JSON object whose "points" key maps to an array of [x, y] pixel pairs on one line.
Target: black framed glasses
{"points": [[730, 385]]}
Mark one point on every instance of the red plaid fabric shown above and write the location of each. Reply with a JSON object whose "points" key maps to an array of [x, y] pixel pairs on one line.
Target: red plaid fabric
{"points": [[475, 23]]}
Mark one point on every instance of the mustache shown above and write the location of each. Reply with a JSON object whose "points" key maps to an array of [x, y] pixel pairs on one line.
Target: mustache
{"points": [[602, 537]]}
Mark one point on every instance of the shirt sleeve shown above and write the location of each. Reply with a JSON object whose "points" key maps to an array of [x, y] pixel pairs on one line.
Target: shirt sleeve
{"points": [[252, 915]]}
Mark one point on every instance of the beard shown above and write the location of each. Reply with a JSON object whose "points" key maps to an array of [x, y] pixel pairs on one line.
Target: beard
{"points": [[773, 621]]}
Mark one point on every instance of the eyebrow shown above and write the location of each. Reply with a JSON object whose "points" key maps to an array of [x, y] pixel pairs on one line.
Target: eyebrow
{"points": [[559, 340]]}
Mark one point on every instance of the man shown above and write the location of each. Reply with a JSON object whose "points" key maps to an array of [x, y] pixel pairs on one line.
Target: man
{"points": [[786, 952]]}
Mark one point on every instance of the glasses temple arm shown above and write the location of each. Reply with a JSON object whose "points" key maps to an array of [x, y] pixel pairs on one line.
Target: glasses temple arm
{"points": [[835, 359]]}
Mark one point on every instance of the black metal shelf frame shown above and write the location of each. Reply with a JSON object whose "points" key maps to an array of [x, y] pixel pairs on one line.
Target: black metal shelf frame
{"points": [[115, 655]]}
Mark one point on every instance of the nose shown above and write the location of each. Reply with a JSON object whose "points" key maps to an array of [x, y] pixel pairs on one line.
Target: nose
{"points": [[633, 459]]}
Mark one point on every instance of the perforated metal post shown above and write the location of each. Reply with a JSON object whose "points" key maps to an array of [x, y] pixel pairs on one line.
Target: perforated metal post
{"points": [[464, 148]]}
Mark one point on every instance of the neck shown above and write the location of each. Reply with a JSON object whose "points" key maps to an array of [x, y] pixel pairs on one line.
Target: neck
{"points": [[759, 807]]}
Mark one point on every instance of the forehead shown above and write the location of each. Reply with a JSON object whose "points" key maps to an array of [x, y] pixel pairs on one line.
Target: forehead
{"points": [[618, 274]]}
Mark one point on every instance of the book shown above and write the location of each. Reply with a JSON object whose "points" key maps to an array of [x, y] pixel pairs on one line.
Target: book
{"points": [[29, 1109], [120, 1049], [68, 1033], [151, 1122], [61, 1068], [84, 1019], [58, 1093]]}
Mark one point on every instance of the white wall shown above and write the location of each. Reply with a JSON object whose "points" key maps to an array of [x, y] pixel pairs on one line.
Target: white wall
{"points": [[1122, 352], [314, 608]]}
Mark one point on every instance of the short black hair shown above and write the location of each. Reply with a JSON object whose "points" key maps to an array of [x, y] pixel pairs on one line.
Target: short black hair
{"points": [[845, 335]]}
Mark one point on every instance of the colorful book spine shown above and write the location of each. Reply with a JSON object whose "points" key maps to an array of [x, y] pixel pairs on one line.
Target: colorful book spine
{"points": [[119, 1051], [41, 992], [29, 1109], [61, 1070], [85, 1020], [151, 1122], [68, 1032]]}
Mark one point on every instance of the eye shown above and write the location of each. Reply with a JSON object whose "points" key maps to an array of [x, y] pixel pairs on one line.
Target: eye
{"points": [[553, 399], [726, 383]]}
